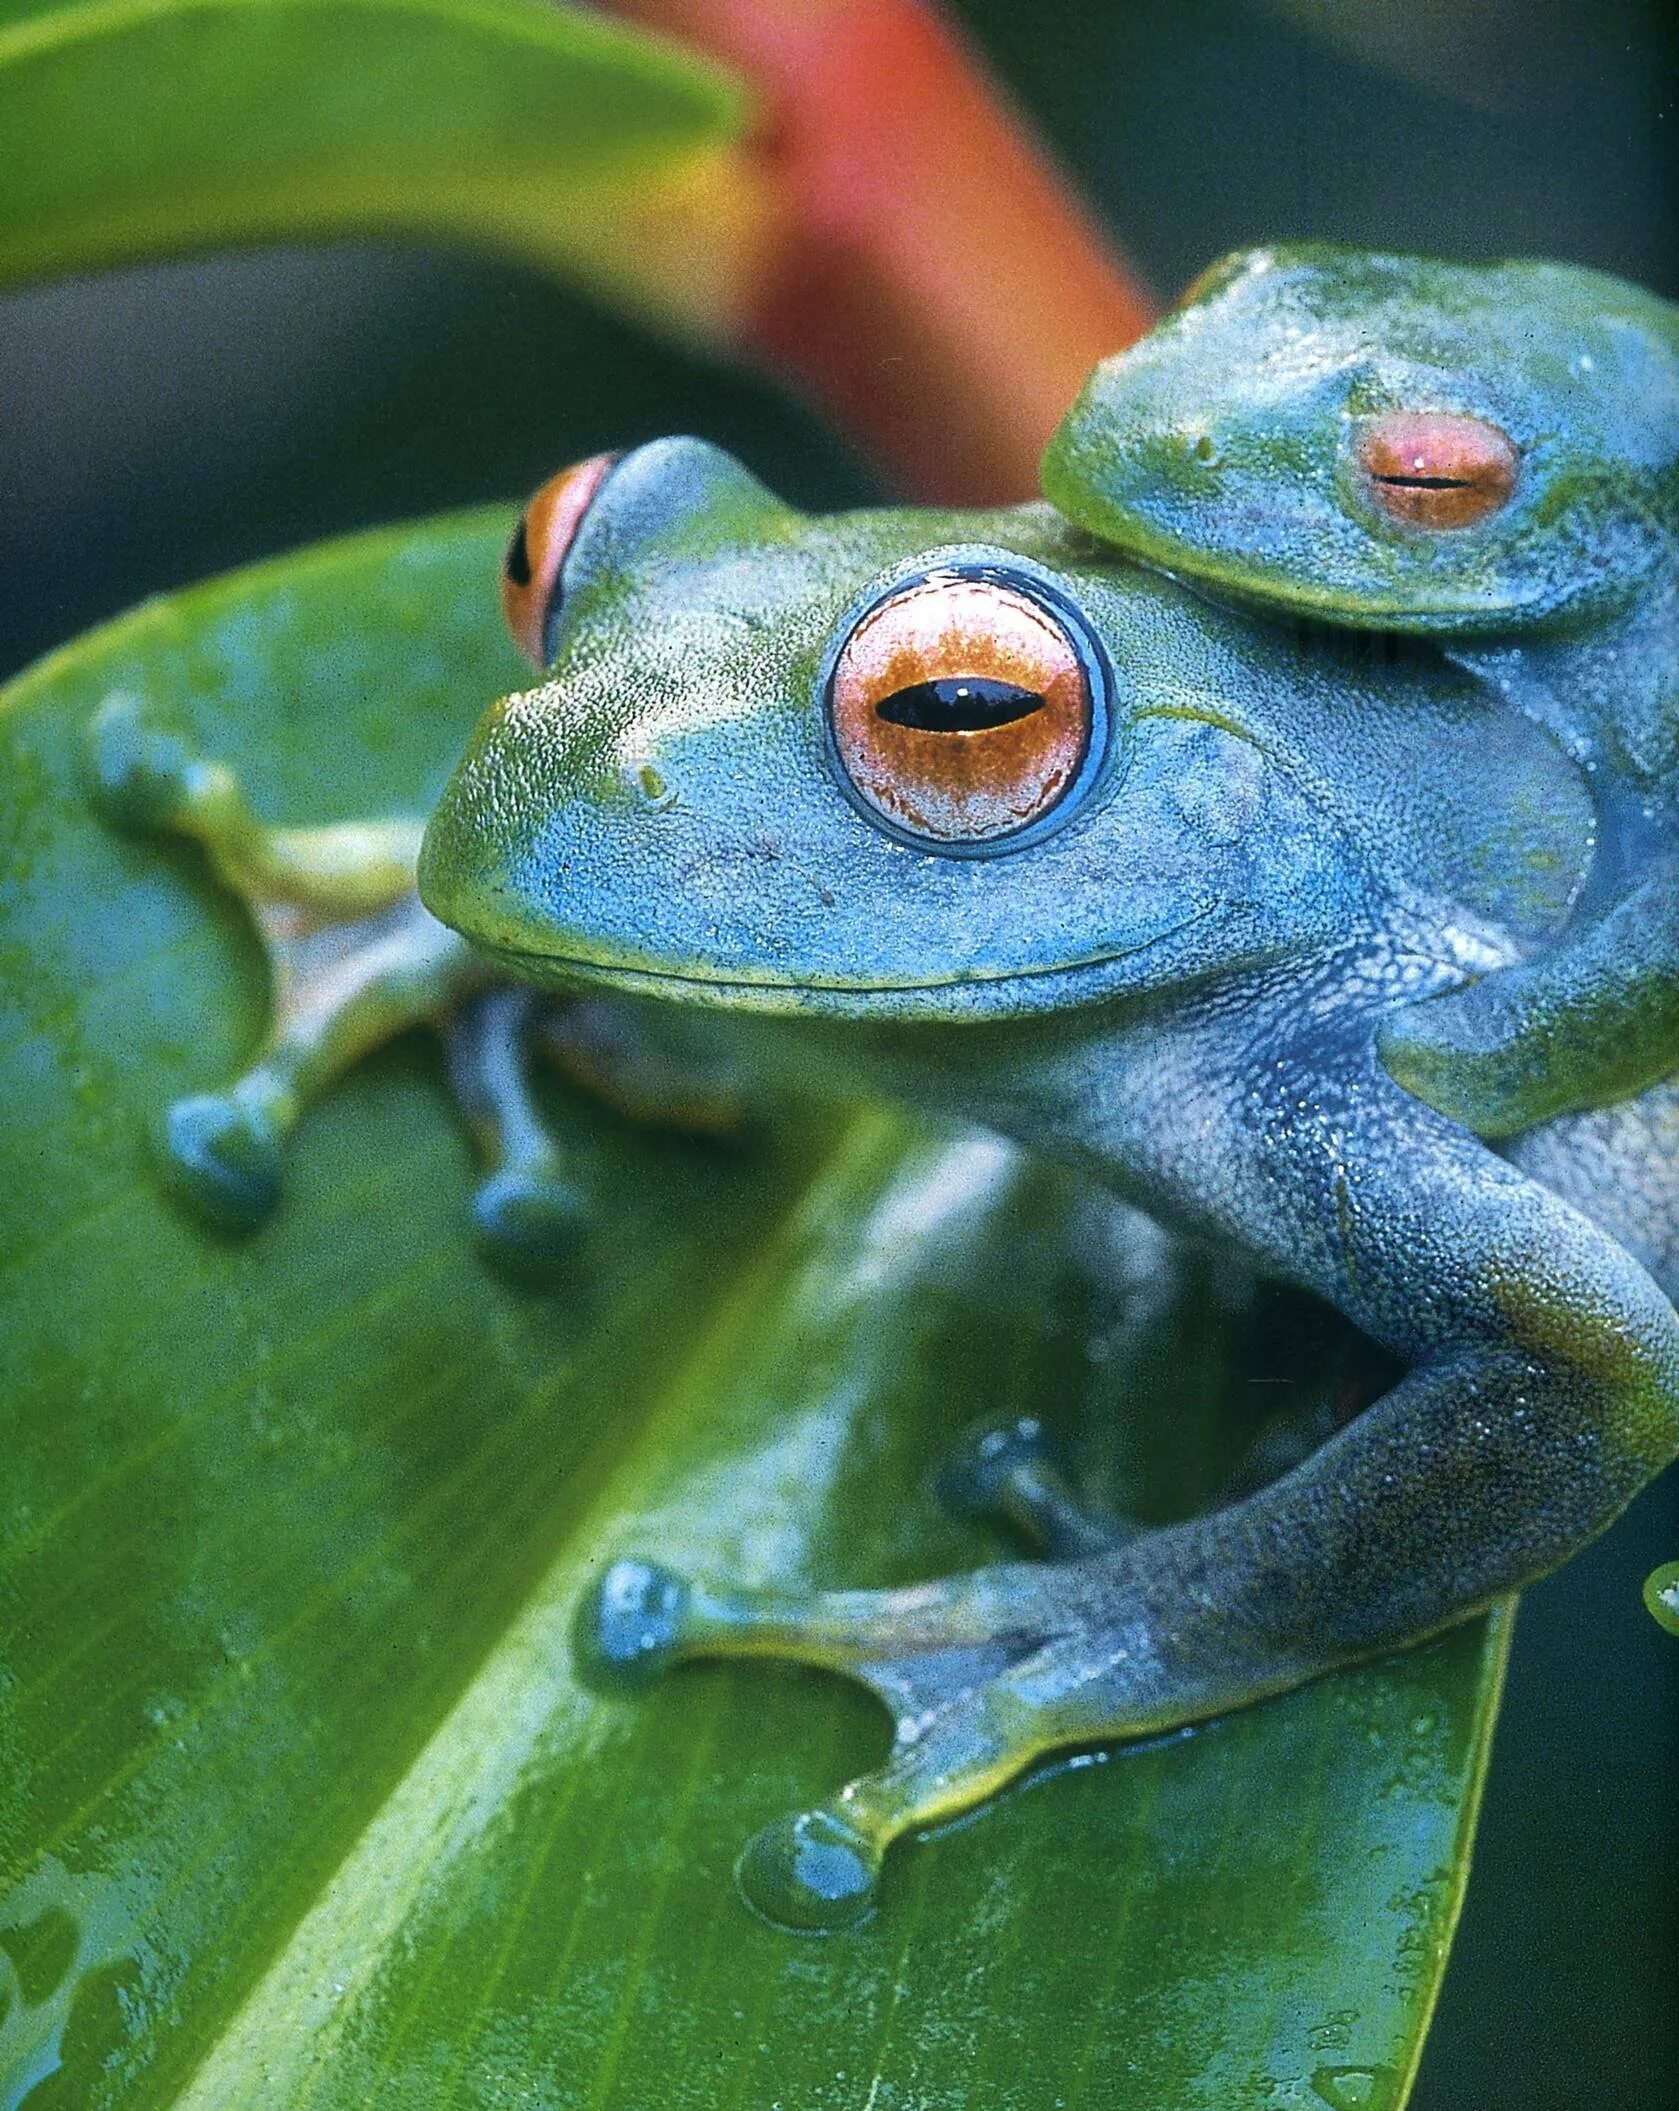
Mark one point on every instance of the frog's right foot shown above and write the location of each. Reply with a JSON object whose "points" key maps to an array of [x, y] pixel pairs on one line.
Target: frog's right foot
{"points": [[353, 956], [342, 991]]}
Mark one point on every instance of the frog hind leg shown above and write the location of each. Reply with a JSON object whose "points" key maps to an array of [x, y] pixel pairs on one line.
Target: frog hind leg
{"points": [[1589, 1022], [353, 956], [1542, 1392]]}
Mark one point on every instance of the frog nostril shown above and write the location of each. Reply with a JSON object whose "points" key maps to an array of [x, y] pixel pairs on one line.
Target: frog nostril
{"points": [[649, 785]]}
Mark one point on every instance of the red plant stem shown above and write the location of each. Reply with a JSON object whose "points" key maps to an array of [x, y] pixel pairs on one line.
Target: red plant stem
{"points": [[927, 277]]}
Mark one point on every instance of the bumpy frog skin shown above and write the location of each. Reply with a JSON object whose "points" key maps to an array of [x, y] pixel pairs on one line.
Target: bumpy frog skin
{"points": [[1148, 917], [1486, 456]]}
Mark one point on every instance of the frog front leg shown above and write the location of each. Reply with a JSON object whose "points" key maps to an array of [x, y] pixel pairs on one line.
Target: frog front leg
{"points": [[1543, 1392], [1596, 1019], [354, 960], [529, 1209]]}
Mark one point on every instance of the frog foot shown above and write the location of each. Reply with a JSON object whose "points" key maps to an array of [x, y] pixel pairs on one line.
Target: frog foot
{"points": [[354, 959], [945, 1658], [940, 1656]]}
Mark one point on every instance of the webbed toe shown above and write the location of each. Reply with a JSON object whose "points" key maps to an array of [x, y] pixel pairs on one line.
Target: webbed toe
{"points": [[812, 1874], [224, 1156], [631, 1625], [1012, 1471], [141, 763], [978, 1471], [530, 1221], [968, 1668]]}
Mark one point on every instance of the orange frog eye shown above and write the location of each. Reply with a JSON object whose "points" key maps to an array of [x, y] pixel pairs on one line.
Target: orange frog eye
{"points": [[1435, 468], [530, 572], [964, 707]]}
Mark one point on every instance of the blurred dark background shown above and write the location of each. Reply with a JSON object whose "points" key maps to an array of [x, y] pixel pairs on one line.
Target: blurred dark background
{"points": [[159, 425]]}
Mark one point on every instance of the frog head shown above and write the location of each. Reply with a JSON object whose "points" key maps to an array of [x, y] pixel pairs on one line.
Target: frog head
{"points": [[936, 766], [1390, 441]]}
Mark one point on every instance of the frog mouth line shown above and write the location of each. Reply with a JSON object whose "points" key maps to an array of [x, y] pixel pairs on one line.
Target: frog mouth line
{"points": [[762, 991], [1227, 580]]}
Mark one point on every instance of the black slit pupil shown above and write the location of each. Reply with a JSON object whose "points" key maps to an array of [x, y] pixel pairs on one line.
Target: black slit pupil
{"points": [[519, 556], [958, 703], [1428, 483]]}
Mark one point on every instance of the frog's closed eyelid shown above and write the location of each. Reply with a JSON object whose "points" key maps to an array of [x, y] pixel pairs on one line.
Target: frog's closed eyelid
{"points": [[547, 529], [1441, 470]]}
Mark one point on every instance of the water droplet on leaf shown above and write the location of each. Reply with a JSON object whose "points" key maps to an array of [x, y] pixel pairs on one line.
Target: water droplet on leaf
{"points": [[1661, 1595], [1355, 2088]]}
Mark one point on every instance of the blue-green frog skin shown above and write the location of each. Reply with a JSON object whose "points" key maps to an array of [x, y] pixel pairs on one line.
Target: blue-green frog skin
{"points": [[1485, 457], [967, 810]]}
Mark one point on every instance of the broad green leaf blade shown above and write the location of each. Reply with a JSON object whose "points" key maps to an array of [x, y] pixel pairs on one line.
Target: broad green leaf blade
{"points": [[138, 128], [303, 1805]]}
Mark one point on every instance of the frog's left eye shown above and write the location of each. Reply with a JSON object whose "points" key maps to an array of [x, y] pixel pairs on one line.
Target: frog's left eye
{"points": [[1437, 469], [530, 572], [964, 708]]}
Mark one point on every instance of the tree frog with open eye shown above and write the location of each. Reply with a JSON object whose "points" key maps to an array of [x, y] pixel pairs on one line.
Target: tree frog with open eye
{"points": [[967, 810], [1485, 457]]}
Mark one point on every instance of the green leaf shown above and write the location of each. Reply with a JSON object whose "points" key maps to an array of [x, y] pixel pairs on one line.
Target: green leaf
{"points": [[137, 128], [303, 1805]]}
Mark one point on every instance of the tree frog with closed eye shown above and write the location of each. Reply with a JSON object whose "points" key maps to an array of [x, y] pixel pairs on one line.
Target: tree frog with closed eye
{"points": [[1486, 457], [965, 810]]}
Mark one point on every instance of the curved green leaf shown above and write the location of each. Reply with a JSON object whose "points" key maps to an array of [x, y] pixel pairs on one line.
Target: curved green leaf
{"points": [[135, 128], [302, 1803]]}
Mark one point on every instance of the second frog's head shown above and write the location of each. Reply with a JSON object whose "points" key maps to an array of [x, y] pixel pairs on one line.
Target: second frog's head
{"points": [[1391, 441]]}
